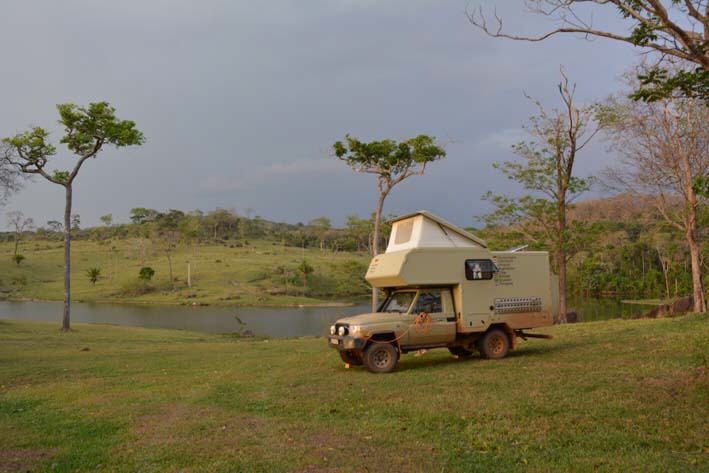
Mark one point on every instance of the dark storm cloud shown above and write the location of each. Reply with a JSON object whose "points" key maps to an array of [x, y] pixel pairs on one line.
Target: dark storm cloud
{"points": [[240, 101]]}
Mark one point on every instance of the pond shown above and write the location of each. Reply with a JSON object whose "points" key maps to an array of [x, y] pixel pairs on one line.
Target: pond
{"points": [[276, 322]]}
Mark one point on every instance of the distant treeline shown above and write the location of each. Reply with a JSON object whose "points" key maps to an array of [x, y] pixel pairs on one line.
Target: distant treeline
{"points": [[628, 251], [218, 225]]}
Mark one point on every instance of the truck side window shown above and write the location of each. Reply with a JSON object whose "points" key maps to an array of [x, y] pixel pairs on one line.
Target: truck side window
{"points": [[429, 302], [479, 269]]}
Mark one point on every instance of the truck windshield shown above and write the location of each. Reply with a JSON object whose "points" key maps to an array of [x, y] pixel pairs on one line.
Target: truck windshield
{"points": [[398, 302]]}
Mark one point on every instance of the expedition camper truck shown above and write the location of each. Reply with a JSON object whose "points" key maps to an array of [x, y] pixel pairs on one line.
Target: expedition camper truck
{"points": [[445, 288]]}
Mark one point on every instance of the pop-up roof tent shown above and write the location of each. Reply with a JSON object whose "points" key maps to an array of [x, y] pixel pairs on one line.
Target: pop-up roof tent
{"points": [[424, 230]]}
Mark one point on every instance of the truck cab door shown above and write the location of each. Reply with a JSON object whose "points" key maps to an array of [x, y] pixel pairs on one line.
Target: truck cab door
{"points": [[437, 306]]}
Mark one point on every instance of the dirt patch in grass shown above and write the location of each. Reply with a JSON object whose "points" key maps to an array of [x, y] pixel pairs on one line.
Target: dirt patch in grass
{"points": [[203, 434], [680, 381], [22, 460]]}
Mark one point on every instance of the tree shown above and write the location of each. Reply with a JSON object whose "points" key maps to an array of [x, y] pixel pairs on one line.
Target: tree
{"points": [[55, 226], [10, 177], [321, 227], [547, 170], [86, 131], [392, 163], [664, 148], [140, 215], [93, 274], [107, 219], [305, 269], [676, 30], [17, 221]]}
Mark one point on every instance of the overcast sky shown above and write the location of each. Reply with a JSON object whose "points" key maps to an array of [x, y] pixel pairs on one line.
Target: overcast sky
{"points": [[241, 101]]}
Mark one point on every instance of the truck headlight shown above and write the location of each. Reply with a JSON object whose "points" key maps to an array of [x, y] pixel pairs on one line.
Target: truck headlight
{"points": [[332, 330], [355, 330], [341, 331]]}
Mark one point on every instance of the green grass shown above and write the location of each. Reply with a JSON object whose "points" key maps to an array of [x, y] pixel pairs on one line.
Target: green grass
{"points": [[603, 396], [221, 274]]}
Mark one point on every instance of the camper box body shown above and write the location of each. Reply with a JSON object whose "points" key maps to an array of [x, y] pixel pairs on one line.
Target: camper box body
{"points": [[488, 287]]}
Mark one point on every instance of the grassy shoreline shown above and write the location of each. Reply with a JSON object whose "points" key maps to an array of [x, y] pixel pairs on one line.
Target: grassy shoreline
{"points": [[619, 395]]}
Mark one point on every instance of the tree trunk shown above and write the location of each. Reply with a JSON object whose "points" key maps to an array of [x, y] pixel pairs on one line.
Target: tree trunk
{"points": [[66, 326], [561, 258], [17, 242], [375, 244], [169, 263], [561, 316], [700, 304]]}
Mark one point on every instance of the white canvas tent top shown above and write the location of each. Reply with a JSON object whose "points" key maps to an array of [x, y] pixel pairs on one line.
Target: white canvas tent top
{"points": [[425, 230]]}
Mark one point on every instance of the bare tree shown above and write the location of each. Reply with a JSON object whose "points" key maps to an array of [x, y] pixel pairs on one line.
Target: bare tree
{"points": [[547, 171], [672, 28], [10, 181], [19, 224], [664, 147]]}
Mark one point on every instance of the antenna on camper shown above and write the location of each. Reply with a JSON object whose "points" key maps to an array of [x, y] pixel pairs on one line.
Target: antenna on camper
{"points": [[519, 248]]}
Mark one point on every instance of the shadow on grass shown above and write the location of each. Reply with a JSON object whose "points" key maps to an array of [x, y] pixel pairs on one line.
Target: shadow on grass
{"points": [[410, 362]]}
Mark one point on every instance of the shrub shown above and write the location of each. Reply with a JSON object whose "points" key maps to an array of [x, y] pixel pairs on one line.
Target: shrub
{"points": [[93, 274], [136, 288], [18, 259], [146, 273]]}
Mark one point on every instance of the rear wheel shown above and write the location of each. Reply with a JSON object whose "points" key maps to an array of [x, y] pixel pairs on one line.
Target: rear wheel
{"points": [[494, 344], [352, 357], [381, 357], [460, 352]]}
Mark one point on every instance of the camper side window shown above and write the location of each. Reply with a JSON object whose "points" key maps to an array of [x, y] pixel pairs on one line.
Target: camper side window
{"points": [[479, 269]]}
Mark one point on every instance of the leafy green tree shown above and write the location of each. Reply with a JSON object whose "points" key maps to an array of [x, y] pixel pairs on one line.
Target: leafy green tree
{"points": [[140, 215], [55, 226], [392, 163], [677, 30], [146, 273], [305, 269], [547, 172], [321, 226], [93, 274], [86, 131], [107, 219]]}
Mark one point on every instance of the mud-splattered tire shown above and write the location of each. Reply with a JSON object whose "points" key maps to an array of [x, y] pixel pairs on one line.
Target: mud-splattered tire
{"points": [[494, 344], [354, 358], [460, 352], [381, 357]]}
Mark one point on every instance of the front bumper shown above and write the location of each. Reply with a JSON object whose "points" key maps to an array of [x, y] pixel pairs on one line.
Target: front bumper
{"points": [[346, 342]]}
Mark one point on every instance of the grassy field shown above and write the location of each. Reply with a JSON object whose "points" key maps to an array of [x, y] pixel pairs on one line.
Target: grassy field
{"points": [[221, 274], [603, 396]]}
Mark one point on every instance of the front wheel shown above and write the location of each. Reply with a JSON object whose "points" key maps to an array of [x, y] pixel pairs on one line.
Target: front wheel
{"points": [[381, 357], [494, 344], [352, 357]]}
